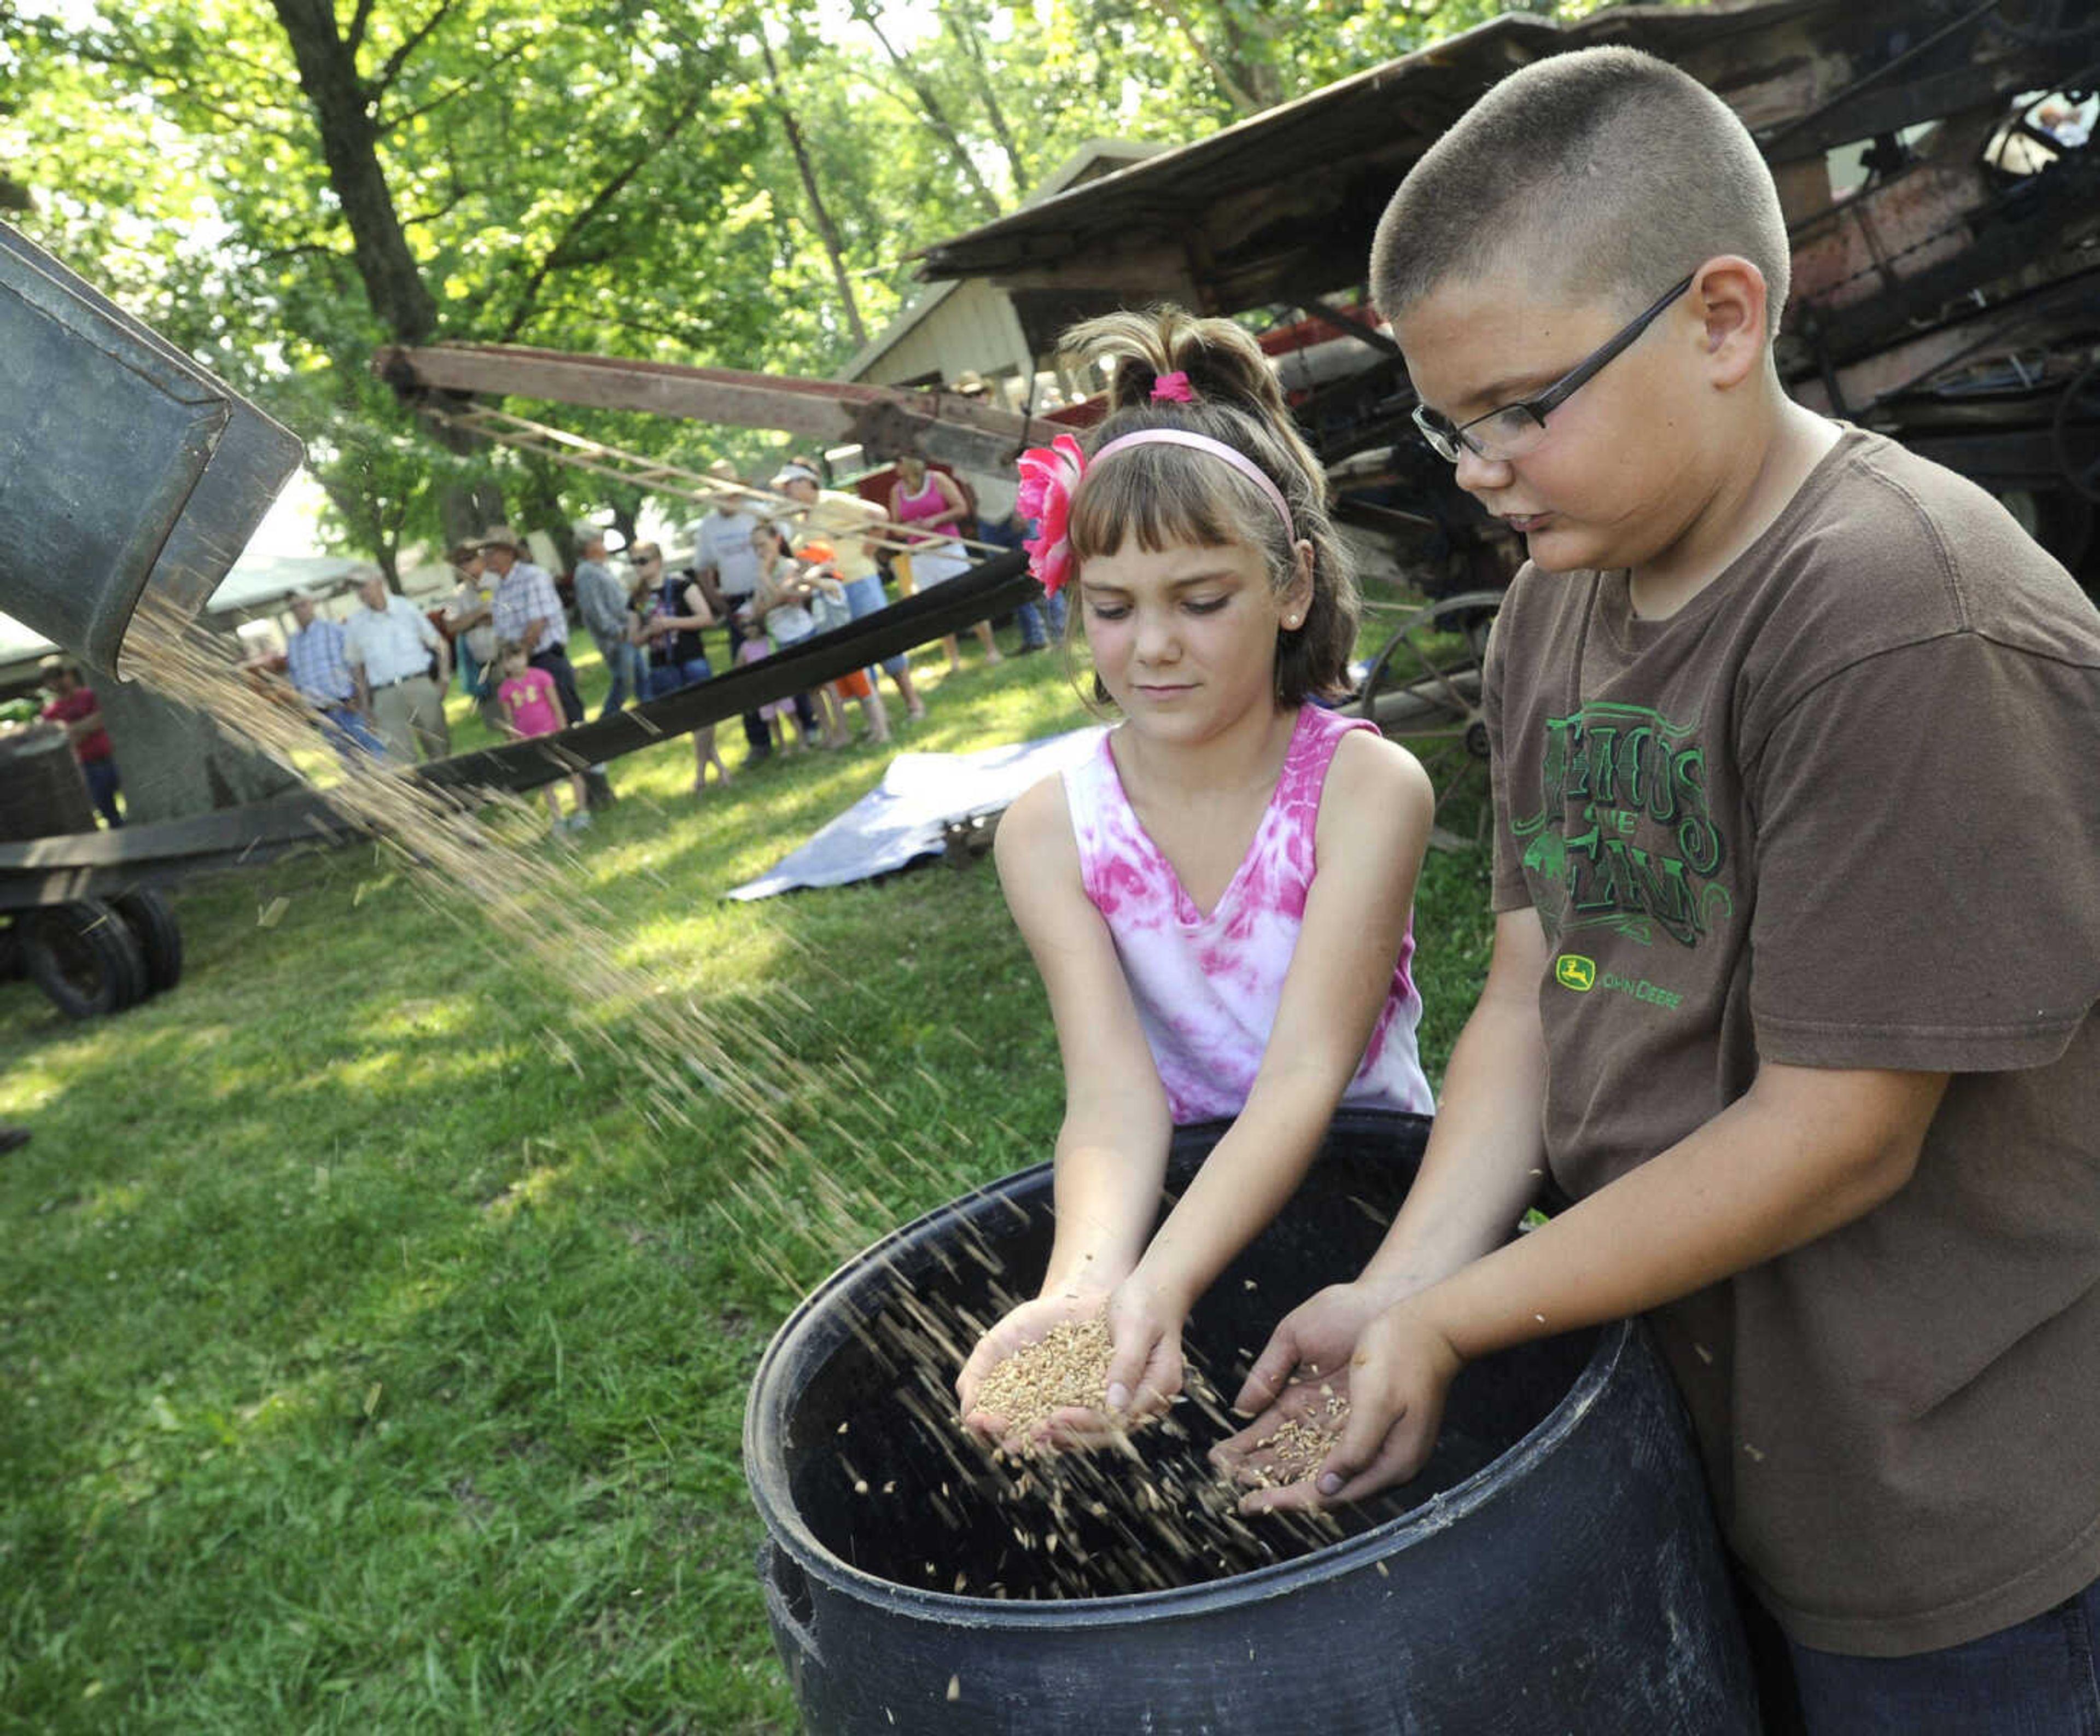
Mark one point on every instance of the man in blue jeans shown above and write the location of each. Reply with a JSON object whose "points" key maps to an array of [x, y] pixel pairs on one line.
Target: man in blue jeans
{"points": [[601, 601], [73, 707], [1040, 623], [727, 568], [315, 662]]}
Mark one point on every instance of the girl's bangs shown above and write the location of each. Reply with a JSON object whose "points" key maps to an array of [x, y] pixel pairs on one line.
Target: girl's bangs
{"points": [[1164, 497]]}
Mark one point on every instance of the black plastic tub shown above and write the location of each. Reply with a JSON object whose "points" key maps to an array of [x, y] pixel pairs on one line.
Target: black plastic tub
{"points": [[1555, 1568]]}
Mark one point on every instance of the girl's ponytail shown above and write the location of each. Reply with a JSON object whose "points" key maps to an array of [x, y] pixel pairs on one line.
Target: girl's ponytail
{"points": [[1222, 364]]}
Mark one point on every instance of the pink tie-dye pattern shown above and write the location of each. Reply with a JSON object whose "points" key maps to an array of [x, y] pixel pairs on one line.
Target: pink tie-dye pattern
{"points": [[1206, 985]]}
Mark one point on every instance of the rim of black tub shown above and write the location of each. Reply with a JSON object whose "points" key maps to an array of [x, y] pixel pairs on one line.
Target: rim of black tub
{"points": [[814, 1329]]}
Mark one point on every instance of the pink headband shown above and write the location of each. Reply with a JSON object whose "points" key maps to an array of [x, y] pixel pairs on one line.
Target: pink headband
{"points": [[1050, 475], [1239, 462]]}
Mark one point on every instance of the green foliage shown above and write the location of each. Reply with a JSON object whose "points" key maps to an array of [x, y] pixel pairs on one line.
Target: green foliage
{"points": [[600, 175]]}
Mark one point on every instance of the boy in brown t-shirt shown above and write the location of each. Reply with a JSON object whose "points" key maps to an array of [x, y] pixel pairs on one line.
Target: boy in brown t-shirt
{"points": [[1797, 874]]}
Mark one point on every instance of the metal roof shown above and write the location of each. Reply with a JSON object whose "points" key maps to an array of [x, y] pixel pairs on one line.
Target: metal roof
{"points": [[1283, 206]]}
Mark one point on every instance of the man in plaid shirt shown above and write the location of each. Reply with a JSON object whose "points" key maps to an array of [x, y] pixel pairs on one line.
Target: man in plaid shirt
{"points": [[314, 659], [528, 612]]}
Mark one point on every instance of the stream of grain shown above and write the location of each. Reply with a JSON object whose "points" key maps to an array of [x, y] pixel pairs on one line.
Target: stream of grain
{"points": [[1080, 1524]]}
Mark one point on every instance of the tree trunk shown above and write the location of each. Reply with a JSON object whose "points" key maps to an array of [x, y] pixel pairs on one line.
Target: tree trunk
{"points": [[539, 509], [349, 145], [1228, 76], [375, 529], [465, 512], [966, 37], [1256, 74], [819, 213], [625, 504], [936, 116]]}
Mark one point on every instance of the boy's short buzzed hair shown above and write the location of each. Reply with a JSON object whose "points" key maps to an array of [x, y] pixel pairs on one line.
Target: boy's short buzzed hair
{"points": [[1604, 172]]}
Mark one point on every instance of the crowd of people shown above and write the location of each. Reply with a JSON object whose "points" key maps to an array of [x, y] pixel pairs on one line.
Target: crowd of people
{"points": [[769, 567]]}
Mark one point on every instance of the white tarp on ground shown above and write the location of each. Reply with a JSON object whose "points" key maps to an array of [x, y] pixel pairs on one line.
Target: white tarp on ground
{"points": [[900, 820]]}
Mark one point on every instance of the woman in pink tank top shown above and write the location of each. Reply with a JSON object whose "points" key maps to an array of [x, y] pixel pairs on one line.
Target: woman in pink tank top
{"points": [[920, 496], [1219, 900]]}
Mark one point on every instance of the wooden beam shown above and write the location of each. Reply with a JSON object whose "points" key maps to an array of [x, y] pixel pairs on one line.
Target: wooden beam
{"points": [[958, 431]]}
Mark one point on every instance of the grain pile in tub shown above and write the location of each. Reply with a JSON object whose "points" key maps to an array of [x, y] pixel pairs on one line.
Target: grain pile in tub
{"points": [[1068, 1368]]}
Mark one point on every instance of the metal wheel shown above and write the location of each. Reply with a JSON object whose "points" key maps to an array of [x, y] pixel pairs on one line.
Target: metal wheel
{"points": [[2076, 432], [152, 924], [84, 956], [1423, 691]]}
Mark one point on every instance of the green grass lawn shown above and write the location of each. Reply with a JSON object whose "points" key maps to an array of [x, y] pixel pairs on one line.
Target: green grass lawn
{"points": [[371, 1360]]}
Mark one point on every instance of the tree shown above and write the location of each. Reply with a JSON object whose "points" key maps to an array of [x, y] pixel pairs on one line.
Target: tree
{"points": [[820, 213], [378, 182], [346, 106], [279, 186]]}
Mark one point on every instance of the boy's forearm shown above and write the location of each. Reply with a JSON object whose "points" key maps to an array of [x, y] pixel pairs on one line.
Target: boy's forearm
{"points": [[1485, 1160], [1799, 1155]]}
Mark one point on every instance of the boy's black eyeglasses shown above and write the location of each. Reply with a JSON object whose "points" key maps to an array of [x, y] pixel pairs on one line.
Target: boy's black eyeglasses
{"points": [[1515, 429]]}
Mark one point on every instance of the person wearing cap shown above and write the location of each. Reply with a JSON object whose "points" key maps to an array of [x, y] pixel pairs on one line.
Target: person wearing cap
{"points": [[469, 620], [315, 664], [727, 569], [528, 610], [843, 520], [388, 643], [601, 601], [73, 707]]}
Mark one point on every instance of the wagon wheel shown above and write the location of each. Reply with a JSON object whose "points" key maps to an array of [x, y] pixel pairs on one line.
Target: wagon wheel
{"points": [[2076, 432], [152, 924], [1423, 691], [84, 956]]}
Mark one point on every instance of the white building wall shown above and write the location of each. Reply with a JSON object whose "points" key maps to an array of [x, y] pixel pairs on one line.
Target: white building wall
{"points": [[971, 329]]}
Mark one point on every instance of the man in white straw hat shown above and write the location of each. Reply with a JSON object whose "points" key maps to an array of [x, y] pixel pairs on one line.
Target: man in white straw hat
{"points": [[528, 612]]}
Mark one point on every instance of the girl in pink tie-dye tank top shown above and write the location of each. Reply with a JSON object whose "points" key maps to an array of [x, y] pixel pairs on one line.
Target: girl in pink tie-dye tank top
{"points": [[1218, 899], [1206, 984]]}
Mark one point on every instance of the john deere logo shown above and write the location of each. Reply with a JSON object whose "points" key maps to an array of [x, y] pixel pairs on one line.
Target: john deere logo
{"points": [[1572, 970]]}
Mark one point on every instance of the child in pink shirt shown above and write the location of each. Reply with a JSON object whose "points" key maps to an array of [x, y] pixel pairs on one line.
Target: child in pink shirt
{"points": [[532, 707], [1220, 900]]}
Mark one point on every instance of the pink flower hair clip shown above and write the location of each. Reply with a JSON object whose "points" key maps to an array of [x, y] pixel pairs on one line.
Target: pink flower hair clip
{"points": [[1173, 388], [1048, 475]]}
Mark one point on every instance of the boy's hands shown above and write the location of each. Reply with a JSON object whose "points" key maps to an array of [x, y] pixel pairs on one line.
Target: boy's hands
{"points": [[1394, 1382], [1314, 1341]]}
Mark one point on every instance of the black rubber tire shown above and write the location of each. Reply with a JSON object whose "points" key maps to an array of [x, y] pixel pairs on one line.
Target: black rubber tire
{"points": [[84, 956], [152, 921]]}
